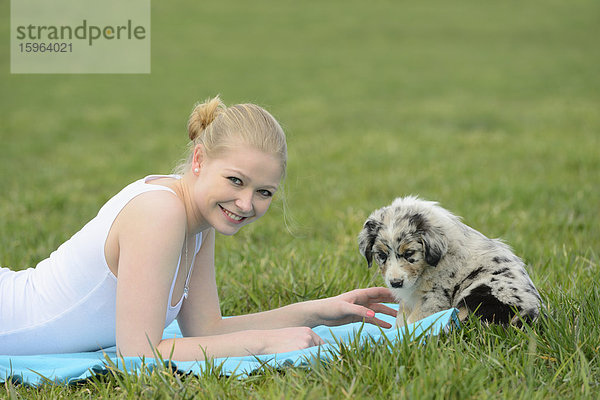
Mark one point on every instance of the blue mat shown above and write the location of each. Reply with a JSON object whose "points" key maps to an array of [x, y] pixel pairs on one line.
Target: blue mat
{"points": [[69, 368]]}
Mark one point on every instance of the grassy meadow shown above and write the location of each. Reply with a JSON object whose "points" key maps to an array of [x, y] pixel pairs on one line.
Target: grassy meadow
{"points": [[490, 108]]}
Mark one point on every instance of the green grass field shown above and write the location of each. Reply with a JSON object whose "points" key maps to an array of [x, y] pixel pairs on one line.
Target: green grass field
{"points": [[490, 108]]}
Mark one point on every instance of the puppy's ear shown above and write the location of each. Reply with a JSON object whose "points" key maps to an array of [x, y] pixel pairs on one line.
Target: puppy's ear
{"points": [[366, 239], [435, 243]]}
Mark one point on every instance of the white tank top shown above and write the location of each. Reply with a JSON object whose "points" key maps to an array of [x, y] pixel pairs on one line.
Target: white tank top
{"points": [[68, 302]]}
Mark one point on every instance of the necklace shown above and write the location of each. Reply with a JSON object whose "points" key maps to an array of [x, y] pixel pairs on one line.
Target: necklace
{"points": [[186, 286]]}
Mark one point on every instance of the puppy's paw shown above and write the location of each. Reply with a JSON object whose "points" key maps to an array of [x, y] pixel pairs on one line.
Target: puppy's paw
{"points": [[401, 321]]}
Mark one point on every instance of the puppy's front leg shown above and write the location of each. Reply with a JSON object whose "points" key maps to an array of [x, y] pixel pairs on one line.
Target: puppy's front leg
{"points": [[428, 305], [408, 315], [403, 314], [416, 314]]}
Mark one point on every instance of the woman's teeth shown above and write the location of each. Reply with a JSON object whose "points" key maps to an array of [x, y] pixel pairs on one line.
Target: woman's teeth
{"points": [[232, 215]]}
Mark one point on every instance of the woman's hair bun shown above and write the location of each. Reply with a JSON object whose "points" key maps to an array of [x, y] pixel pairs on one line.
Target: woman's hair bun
{"points": [[203, 114]]}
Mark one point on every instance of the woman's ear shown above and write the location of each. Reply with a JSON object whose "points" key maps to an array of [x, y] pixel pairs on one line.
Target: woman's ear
{"points": [[198, 158]]}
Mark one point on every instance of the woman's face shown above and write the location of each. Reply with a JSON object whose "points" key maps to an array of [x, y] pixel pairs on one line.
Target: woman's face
{"points": [[236, 187]]}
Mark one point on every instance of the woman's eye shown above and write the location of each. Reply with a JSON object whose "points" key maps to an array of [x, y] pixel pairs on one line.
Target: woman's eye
{"points": [[265, 193], [235, 181]]}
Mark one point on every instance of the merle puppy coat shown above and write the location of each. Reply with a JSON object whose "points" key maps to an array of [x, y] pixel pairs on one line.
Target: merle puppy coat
{"points": [[431, 261]]}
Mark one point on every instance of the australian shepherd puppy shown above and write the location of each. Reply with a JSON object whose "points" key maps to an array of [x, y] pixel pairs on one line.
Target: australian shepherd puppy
{"points": [[431, 261]]}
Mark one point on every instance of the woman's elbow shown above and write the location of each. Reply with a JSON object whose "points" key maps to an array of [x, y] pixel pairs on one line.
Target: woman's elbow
{"points": [[138, 348]]}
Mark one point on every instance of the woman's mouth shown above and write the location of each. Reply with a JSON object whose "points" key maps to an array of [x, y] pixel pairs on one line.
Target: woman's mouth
{"points": [[236, 219]]}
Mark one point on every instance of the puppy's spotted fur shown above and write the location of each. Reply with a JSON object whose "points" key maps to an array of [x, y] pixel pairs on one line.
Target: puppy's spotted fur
{"points": [[431, 261]]}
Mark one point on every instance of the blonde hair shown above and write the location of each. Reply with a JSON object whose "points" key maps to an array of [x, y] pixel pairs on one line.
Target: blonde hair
{"points": [[218, 127]]}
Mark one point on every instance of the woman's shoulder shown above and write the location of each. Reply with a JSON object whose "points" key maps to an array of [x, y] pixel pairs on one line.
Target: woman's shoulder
{"points": [[157, 204], [166, 182], [156, 210], [156, 216]]}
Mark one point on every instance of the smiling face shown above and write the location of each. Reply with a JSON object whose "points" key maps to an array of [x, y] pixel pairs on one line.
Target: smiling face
{"points": [[235, 187]]}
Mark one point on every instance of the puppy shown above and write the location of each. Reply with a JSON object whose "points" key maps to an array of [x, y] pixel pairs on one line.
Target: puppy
{"points": [[431, 261]]}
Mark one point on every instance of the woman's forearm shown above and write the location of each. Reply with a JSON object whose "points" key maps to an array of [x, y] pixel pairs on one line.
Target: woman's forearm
{"points": [[242, 343], [201, 348], [293, 315], [354, 306]]}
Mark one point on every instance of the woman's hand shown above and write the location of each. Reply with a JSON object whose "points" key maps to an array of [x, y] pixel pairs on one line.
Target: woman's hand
{"points": [[355, 306], [286, 339]]}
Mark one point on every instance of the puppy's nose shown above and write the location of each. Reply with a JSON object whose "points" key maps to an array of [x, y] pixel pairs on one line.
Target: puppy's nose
{"points": [[397, 283]]}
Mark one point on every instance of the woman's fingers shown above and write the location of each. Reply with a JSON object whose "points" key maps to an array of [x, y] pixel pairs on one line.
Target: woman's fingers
{"points": [[378, 322], [383, 309], [289, 339], [369, 296], [378, 295], [367, 314], [317, 339], [308, 337]]}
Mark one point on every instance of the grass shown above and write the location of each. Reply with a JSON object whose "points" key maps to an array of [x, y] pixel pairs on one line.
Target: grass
{"points": [[490, 108]]}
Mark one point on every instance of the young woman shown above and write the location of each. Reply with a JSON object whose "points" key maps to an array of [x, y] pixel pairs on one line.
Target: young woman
{"points": [[148, 258]]}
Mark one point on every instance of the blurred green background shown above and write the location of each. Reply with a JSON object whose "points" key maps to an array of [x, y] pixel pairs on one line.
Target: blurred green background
{"points": [[491, 108]]}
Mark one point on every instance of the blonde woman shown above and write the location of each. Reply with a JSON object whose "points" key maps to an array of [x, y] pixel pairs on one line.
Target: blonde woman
{"points": [[148, 258]]}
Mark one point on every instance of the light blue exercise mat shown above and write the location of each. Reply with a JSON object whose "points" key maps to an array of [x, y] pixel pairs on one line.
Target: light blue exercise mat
{"points": [[69, 368]]}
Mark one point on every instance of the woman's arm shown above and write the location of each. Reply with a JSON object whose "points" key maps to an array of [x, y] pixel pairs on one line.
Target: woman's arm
{"points": [[262, 333], [241, 343], [150, 232], [354, 306], [201, 316]]}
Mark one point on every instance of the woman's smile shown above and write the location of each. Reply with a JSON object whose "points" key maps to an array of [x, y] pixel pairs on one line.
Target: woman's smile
{"points": [[232, 217]]}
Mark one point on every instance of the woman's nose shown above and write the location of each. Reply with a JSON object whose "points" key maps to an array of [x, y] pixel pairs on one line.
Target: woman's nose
{"points": [[244, 202]]}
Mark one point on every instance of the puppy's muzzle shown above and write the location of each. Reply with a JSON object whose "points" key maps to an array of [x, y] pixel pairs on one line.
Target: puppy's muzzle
{"points": [[397, 283]]}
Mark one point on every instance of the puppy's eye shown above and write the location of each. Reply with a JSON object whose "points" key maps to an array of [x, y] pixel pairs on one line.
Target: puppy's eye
{"points": [[381, 257], [408, 254]]}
